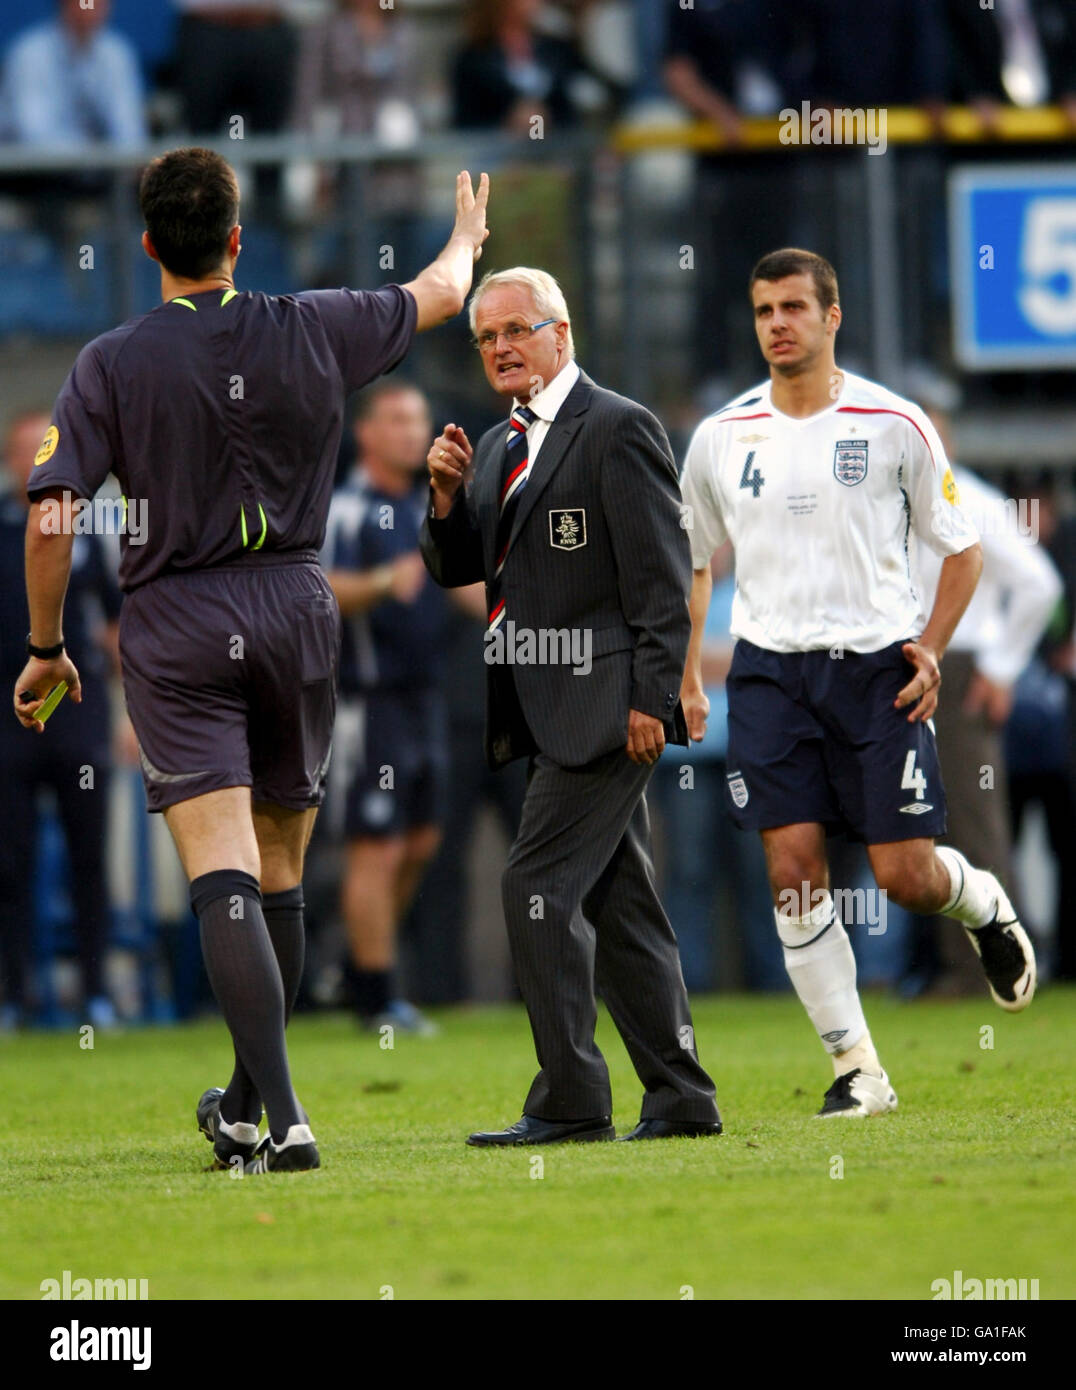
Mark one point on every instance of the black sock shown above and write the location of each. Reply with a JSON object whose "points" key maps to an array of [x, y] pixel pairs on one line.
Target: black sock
{"points": [[371, 991], [284, 917], [283, 913], [246, 980]]}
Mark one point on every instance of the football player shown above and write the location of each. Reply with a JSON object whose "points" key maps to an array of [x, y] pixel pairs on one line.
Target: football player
{"points": [[819, 478]]}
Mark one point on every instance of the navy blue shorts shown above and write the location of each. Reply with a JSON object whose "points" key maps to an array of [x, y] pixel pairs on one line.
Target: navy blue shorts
{"points": [[230, 678], [814, 738], [394, 764]]}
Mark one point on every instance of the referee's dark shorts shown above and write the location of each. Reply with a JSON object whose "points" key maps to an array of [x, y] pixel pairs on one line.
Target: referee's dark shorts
{"points": [[230, 675]]}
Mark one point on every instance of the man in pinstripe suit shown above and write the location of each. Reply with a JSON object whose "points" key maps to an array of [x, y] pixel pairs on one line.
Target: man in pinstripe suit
{"points": [[571, 515]]}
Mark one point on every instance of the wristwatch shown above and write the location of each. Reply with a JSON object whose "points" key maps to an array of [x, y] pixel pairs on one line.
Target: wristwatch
{"points": [[44, 653]]}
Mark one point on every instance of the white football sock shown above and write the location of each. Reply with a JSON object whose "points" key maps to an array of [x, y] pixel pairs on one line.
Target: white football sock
{"points": [[822, 968], [861, 1055], [297, 1134], [972, 896], [242, 1133]]}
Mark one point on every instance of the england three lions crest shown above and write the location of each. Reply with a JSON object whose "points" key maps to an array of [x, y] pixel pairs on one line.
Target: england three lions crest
{"points": [[568, 528], [850, 461]]}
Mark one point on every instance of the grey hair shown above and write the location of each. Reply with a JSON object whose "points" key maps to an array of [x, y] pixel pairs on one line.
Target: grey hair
{"points": [[547, 295]]}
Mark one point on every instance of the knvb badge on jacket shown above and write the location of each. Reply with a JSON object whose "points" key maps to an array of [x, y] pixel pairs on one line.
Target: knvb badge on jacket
{"points": [[568, 528], [850, 461]]}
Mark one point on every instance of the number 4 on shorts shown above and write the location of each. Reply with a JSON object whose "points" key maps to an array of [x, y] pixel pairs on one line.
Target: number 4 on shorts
{"points": [[914, 778]]}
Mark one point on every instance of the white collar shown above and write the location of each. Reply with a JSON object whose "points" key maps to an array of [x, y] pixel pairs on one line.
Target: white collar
{"points": [[549, 400]]}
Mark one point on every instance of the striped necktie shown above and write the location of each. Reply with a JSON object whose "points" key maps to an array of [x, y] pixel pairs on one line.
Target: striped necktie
{"points": [[515, 469]]}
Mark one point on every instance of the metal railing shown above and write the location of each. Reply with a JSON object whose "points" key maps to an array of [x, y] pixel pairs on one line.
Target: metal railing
{"points": [[609, 211]]}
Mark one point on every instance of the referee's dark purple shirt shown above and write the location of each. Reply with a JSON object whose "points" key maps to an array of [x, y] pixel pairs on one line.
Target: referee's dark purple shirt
{"points": [[221, 413]]}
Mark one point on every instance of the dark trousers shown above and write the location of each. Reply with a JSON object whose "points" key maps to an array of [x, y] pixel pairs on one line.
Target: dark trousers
{"points": [[249, 72], [225, 72], [434, 949], [583, 914], [1053, 791], [58, 759]]}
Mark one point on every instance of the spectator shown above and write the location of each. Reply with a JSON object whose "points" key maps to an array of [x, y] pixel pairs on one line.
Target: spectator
{"points": [[389, 743], [1040, 737], [508, 72], [990, 649], [886, 53], [1018, 51], [358, 75], [234, 58], [712, 871], [72, 757], [442, 911], [358, 72], [72, 81], [724, 59]]}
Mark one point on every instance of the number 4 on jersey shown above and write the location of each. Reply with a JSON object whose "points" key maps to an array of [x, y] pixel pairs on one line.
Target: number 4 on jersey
{"points": [[914, 778], [752, 480]]}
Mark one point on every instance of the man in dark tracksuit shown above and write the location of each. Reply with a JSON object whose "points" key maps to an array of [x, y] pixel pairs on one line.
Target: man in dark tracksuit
{"points": [[75, 762], [220, 413], [571, 514]]}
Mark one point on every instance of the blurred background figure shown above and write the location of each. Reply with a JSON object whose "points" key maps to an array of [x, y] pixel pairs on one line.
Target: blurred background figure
{"points": [[72, 81], [71, 760], [1041, 736], [726, 59], [508, 71], [450, 906], [990, 649], [389, 755], [358, 73], [887, 53], [235, 58], [1018, 52], [715, 887]]}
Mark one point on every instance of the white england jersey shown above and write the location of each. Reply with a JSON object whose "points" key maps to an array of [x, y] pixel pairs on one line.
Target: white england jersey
{"points": [[821, 513]]}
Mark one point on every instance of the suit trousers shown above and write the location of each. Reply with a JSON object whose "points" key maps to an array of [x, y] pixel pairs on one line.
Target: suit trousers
{"points": [[583, 914]]}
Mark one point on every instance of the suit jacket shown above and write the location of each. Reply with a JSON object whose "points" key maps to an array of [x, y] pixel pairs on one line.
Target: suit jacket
{"points": [[597, 547]]}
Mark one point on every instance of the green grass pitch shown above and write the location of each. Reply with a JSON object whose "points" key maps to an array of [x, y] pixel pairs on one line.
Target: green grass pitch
{"points": [[103, 1170]]}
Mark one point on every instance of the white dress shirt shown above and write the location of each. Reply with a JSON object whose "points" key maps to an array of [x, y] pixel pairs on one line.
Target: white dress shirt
{"points": [[546, 404]]}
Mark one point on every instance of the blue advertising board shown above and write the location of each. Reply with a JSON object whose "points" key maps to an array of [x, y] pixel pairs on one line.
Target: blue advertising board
{"points": [[1012, 248]]}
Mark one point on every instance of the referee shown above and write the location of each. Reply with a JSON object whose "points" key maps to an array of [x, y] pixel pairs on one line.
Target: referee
{"points": [[220, 413]]}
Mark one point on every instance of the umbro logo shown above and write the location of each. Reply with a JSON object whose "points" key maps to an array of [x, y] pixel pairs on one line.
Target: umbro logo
{"points": [[751, 438], [835, 1036], [916, 808]]}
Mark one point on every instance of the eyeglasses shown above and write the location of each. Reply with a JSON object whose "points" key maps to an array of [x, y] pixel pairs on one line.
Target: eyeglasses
{"points": [[514, 333]]}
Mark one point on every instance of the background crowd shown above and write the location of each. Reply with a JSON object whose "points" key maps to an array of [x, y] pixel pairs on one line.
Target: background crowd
{"points": [[402, 894]]}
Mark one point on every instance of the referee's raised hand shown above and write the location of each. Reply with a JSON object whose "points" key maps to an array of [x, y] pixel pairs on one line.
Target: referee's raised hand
{"points": [[471, 210], [440, 291]]}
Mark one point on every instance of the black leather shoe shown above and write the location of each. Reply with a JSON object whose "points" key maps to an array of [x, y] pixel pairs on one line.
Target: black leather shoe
{"points": [[531, 1130], [672, 1129]]}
